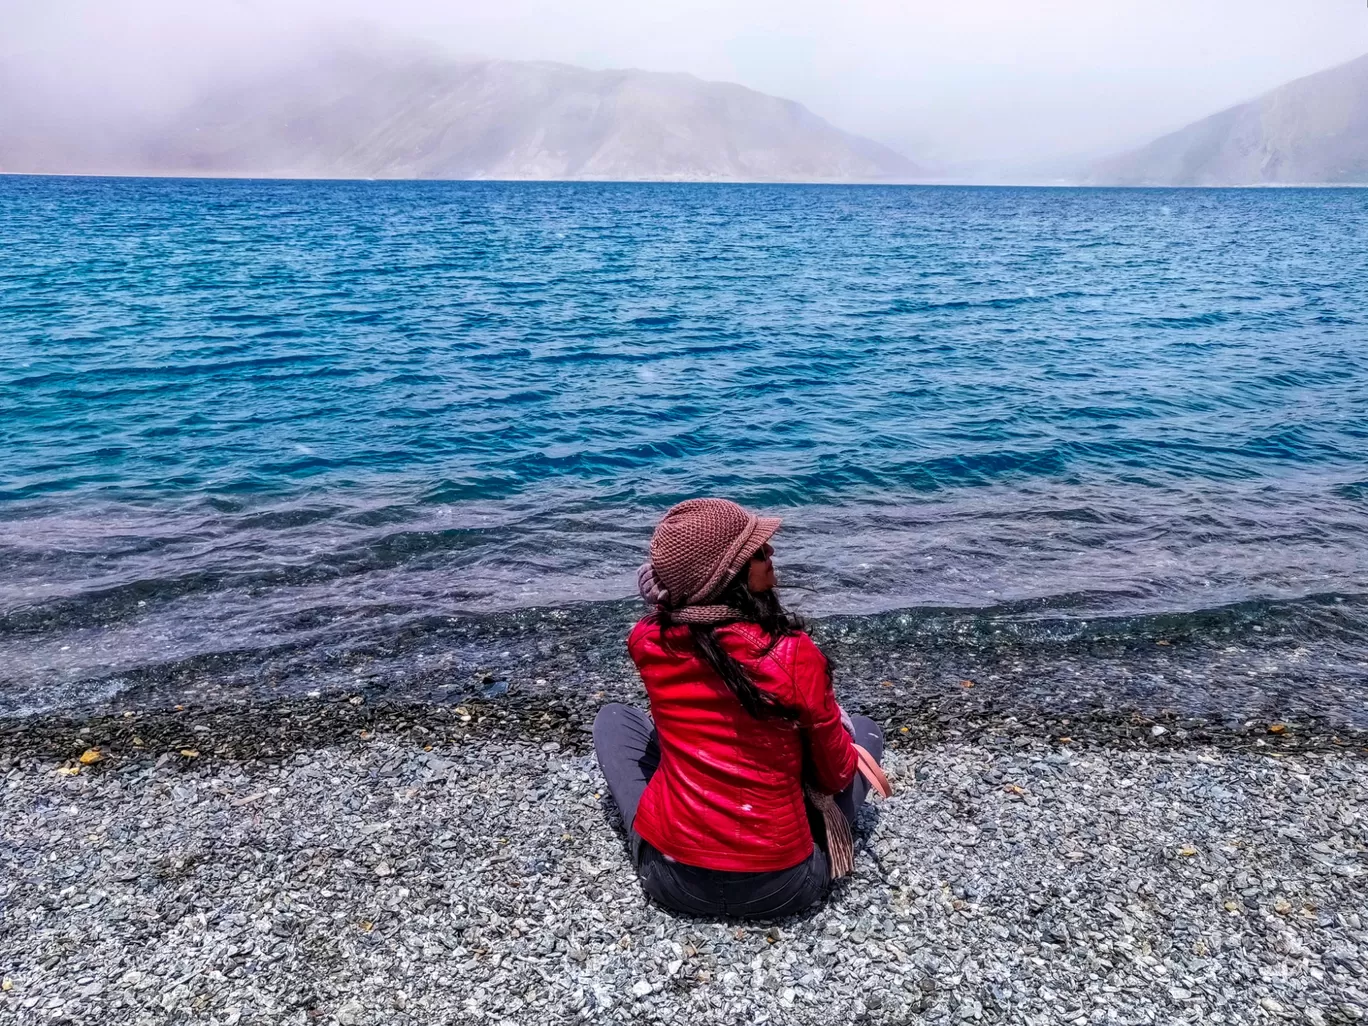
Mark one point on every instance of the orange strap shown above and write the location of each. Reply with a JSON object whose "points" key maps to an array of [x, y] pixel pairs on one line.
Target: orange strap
{"points": [[874, 773]]}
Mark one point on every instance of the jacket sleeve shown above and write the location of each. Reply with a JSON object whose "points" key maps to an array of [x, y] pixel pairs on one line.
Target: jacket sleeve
{"points": [[828, 745]]}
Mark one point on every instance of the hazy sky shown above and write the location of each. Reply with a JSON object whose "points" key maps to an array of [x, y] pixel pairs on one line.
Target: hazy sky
{"points": [[1007, 82]]}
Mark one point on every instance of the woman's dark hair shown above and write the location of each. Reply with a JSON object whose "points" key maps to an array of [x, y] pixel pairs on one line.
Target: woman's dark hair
{"points": [[760, 608]]}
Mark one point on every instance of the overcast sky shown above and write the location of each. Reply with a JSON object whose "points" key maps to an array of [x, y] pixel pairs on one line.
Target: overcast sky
{"points": [[1005, 82]]}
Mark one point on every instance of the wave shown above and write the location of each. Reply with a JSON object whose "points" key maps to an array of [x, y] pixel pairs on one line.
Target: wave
{"points": [[1202, 320], [917, 306]]}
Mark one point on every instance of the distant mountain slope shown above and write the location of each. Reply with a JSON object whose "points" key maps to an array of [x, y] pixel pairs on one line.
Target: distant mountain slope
{"points": [[417, 115], [1313, 131]]}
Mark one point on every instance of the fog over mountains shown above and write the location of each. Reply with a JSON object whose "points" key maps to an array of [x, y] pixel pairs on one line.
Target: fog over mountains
{"points": [[386, 110], [1313, 131], [414, 114]]}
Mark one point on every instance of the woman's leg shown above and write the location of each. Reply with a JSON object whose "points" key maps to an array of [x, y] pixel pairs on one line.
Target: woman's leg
{"points": [[628, 754], [869, 736]]}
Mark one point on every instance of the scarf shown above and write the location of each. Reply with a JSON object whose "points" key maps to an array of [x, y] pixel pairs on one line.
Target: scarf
{"points": [[655, 595]]}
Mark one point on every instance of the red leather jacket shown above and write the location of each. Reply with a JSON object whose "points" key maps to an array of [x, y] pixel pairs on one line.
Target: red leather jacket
{"points": [[729, 791]]}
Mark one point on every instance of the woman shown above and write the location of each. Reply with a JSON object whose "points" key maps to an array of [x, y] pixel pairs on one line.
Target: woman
{"points": [[723, 794]]}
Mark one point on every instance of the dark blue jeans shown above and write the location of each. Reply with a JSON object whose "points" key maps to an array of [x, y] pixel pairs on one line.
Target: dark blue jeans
{"points": [[628, 754]]}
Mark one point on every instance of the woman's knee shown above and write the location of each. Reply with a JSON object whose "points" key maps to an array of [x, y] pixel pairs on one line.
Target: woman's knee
{"points": [[869, 736], [619, 725], [608, 714]]}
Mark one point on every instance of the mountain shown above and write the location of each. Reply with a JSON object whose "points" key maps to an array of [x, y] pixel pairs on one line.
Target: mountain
{"points": [[416, 114], [1313, 131]]}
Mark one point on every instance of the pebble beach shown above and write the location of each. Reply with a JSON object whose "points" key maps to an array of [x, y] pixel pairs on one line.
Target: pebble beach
{"points": [[340, 861]]}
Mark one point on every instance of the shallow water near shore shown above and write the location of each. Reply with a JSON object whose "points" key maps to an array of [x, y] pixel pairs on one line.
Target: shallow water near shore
{"points": [[1081, 446]]}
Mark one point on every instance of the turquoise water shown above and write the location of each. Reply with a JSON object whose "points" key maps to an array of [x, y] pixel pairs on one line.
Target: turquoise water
{"points": [[241, 417]]}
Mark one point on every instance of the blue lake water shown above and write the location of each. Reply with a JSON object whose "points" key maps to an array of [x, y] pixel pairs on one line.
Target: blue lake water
{"points": [[244, 417]]}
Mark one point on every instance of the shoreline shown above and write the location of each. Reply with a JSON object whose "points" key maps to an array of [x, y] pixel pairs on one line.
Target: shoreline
{"points": [[893, 182], [1231, 668], [270, 730]]}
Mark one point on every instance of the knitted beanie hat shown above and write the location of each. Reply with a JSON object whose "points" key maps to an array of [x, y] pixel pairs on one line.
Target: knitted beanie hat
{"points": [[697, 548]]}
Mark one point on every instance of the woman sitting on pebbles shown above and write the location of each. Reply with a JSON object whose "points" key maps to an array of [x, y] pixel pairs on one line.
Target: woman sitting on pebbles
{"points": [[723, 795]]}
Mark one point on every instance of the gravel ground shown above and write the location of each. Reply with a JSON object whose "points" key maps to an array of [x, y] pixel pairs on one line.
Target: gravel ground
{"points": [[367, 871]]}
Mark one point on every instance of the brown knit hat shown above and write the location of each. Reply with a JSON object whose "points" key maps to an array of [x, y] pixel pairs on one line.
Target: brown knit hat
{"points": [[697, 548]]}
